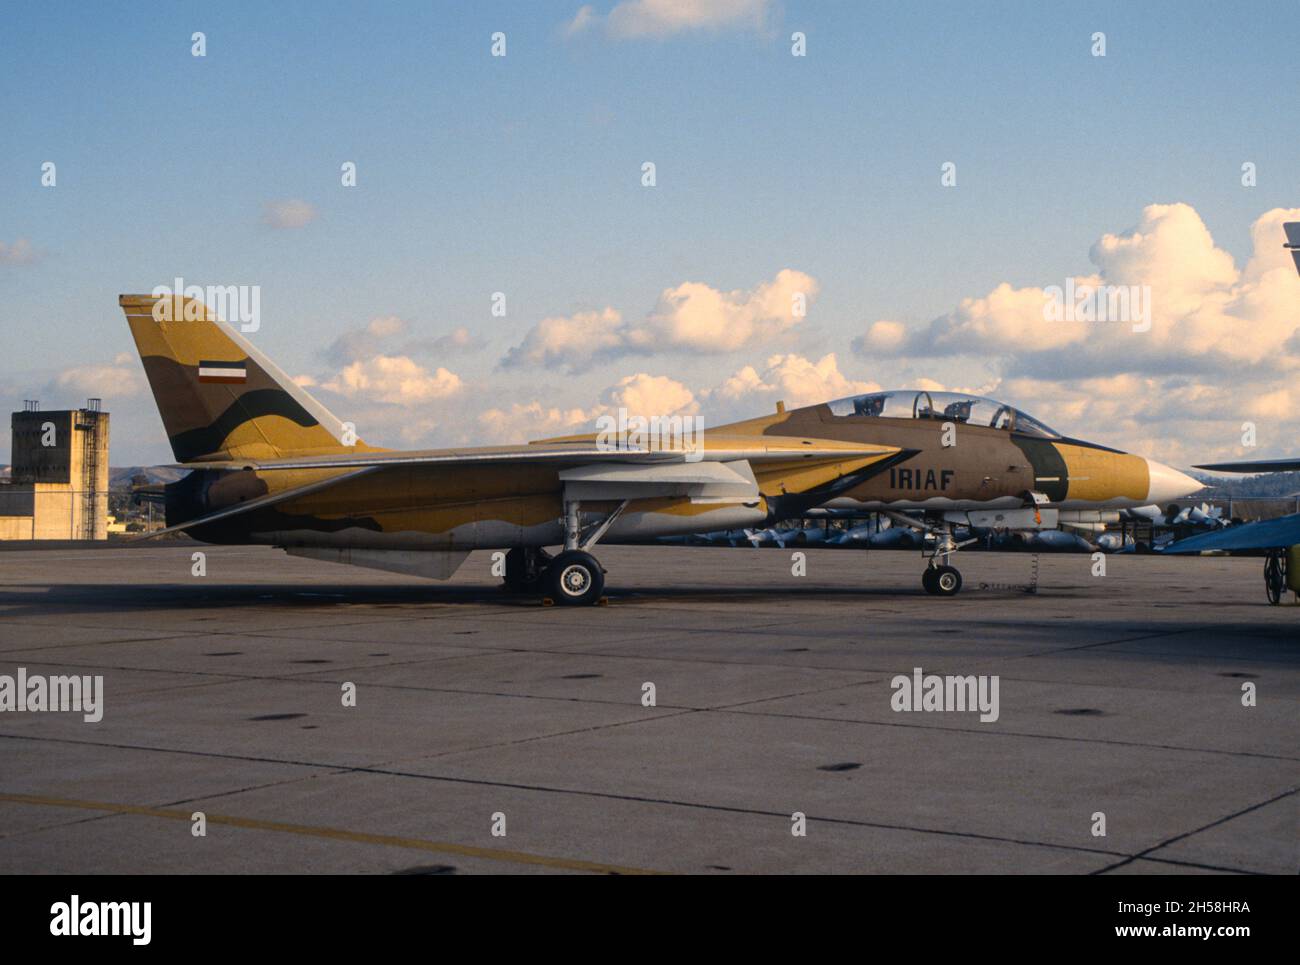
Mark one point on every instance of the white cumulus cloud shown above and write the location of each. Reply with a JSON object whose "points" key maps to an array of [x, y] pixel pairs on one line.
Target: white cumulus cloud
{"points": [[793, 379], [662, 18], [691, 317], [1205, 315], [395, 379]]}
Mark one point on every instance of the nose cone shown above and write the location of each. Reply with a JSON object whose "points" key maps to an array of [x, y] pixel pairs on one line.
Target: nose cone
{"points": [[1168, 483]]}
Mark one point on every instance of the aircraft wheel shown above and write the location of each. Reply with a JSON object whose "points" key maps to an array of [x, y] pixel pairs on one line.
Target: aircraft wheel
{"points": [[927, 579], [524, 569], [1274, 578], [946, 581], [574, 578]]}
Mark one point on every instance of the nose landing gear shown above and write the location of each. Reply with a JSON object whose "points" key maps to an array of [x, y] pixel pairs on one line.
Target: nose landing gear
{"points": [[941, 580]]}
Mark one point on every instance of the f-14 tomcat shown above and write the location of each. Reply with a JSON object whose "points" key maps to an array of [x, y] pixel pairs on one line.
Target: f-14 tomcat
{"points": [[270, 465]]}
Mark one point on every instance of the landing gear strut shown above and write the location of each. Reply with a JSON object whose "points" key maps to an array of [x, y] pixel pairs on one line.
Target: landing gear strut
{"points": [[574, 577], [943, 579]]}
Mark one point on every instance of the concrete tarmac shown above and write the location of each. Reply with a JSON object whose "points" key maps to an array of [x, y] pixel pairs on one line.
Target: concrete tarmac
{"points": [[1118, 695]]}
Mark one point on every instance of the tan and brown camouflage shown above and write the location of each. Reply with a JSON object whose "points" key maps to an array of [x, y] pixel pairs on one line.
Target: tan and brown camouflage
{"points": [[271, 464]]}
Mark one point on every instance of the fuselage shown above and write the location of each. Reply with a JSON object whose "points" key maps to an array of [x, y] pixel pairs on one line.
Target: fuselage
{"points": [[905, 458], [960, 466]]}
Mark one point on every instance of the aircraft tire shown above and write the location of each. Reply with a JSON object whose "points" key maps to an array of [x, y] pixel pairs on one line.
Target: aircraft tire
{"points": [[1274, 578], [927, 579], [947, 581], [574, 578], [525, 569]]}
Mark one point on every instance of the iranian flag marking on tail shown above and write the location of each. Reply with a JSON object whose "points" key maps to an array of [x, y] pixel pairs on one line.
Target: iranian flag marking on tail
{"points": [[228, 372]]}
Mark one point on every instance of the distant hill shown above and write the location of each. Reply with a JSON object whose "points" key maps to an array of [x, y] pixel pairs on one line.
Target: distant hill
{"points": [[120, 477], [1264, 485]]}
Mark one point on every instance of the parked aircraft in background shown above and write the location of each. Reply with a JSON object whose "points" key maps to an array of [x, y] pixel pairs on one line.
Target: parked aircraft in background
{"points": [[1278, 539]]}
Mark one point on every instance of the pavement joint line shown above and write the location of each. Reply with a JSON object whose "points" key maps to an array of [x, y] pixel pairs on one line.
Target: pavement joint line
{"points": [[731, 809], [1111, 643], [96, 643], [336, 834], [1021, 734], [488, 650], [1222, 869], [228, 679], [219, 679], [1145, 854], [599, 795], [677, 712], [501, 650], [56, 825]]}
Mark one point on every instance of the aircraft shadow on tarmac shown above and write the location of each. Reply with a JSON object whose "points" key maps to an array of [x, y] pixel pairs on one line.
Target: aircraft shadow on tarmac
{"points": [[1156, 619], [103, 597]]}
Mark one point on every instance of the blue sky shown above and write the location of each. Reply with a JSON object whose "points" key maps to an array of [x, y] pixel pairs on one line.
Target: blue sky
{"points": [[522, 174]]}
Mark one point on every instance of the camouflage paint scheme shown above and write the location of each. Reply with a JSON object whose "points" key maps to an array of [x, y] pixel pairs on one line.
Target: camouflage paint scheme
{"points": [[233, 432], [477, 503], [987, 468]]}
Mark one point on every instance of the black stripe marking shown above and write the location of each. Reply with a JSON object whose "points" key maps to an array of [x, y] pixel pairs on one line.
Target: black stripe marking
{"points": [[248, 406], [1047, 463]]}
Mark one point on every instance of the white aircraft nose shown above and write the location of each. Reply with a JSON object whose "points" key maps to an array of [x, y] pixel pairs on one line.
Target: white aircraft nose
{"points": [[1168, 483]]}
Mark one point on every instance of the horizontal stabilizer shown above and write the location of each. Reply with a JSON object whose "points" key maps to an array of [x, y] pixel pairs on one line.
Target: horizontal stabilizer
{"points": [[270, 499]]}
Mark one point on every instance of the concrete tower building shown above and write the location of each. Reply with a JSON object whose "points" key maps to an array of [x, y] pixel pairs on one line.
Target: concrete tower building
{"points": [[58, 483]]}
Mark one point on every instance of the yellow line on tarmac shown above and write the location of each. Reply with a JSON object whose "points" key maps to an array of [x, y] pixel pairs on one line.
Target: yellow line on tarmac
{"points": [[335, 834]]}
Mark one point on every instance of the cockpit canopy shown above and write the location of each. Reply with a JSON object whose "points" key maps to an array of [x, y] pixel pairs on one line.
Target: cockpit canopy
{"points": [[946, 406]]}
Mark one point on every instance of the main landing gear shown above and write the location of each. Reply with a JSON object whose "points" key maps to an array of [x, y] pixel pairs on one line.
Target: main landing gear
{"points": [[524, 569], [574, 577]]}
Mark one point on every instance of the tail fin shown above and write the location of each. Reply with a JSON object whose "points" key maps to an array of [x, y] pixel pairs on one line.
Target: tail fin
{"points": [[1292, 229], [219, 397]]}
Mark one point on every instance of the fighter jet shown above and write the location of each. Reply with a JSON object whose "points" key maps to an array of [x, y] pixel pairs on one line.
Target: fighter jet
{"points": [[270, 465]]}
